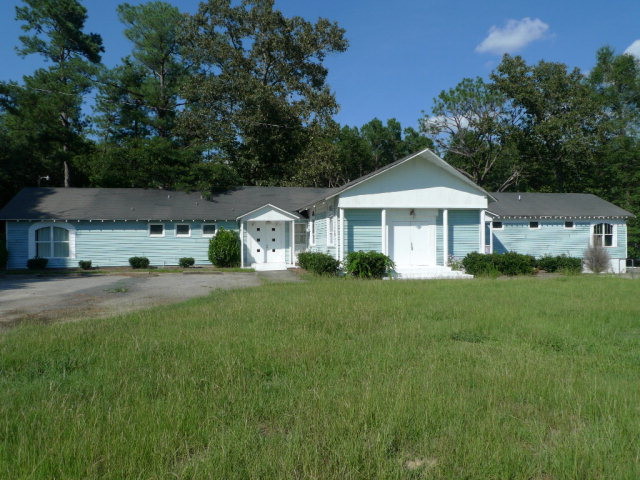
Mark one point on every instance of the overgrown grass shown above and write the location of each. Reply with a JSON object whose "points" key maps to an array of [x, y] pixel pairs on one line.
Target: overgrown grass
{"points": [[334, 378]]}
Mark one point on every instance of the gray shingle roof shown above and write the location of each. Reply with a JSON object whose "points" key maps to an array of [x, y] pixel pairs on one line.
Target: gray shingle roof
{"points": [[146, 204], [553, 205]]}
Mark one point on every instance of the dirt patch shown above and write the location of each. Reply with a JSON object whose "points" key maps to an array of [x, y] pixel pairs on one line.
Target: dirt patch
{"points": [[42, 299]]}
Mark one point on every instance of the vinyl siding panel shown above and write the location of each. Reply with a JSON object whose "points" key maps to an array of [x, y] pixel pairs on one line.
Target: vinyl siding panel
{"points": [[113, 243], [553, 239], [363, 230], [464, 232]]}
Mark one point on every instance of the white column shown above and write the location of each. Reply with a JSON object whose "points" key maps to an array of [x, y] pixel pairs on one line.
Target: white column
{"points": [[490, 237], [341, 246], [445, 236], [482, 235], [292, 259], [384, 231], [241, 244]]}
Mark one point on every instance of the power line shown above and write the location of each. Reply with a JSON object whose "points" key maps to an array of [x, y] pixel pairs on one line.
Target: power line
{"points": [[140, 104]]}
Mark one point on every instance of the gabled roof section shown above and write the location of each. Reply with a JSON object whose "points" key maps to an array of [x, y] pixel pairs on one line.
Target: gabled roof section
{"points": [[268, 206], [426, 154], [553, 205]]}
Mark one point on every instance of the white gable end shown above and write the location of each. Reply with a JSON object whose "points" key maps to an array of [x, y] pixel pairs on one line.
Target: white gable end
{"points": [[417, 183]]}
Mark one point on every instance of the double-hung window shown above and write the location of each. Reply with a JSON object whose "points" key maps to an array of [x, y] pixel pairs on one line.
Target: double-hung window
{"points": [[52, 242], [603, 235]]}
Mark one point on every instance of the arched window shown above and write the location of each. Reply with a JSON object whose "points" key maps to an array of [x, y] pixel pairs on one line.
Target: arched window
{"points": [[603, 235], [52, 241]]}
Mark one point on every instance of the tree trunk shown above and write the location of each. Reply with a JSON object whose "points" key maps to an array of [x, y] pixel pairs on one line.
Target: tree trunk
{"points": [[66, 173]]}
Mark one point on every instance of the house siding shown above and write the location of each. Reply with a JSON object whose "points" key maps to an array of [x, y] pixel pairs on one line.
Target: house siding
{"points": [[464, 232], [439, 239], [113, 243], [553, 239], [363, 230]]}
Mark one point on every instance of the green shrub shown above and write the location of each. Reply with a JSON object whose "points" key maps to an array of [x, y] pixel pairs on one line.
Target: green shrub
{"points": [[319, 263], [368, 264], [37, 263], [186, 262], [85, 264], [547, 263], [512, 263], [495, 264], [560, 263], [139, 262], [569, 265], [224, 249], [4, 255]]}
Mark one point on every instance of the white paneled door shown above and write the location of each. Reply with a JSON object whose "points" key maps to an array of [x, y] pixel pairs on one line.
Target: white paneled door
{"points": [[268, 242], [413, 243]]}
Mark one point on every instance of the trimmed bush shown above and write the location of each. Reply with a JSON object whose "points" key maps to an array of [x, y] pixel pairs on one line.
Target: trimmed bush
{"points": [[495, 264], [4, 255], [319, 263], [139, 262], [85, 264], [37, 263], [560, 263], [224, 249], [597, 259], [368, 264], [186, 262]]}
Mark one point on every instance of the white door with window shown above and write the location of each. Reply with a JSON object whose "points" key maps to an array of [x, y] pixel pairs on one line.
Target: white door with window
{"points": [[267, 242], [413, 243]]}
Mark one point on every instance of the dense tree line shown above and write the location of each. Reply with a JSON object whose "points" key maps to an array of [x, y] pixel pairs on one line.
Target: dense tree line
{"points": [[237, 94]]}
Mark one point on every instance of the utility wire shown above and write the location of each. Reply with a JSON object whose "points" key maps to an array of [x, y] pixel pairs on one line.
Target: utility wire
{"points": [[139, 104]]}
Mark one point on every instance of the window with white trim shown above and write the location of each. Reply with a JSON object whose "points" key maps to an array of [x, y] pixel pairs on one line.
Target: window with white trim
{"points": [[604, 235], [156, 229], [331, 231], [496, 225], [52, 242], [208, 229], [300, 233], [183, 230], [534, 224], [569, 224]]}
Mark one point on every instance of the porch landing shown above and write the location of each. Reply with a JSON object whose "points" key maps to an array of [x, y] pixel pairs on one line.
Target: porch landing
{"points": [[425, 273]]}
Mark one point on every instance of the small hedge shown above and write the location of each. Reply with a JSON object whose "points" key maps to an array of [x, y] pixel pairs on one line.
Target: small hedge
{"points": [[224, 249], [186, 262], [495, 264], [139, 262], [37, 263], [368, 264], [4, 255], [85, 264], [559, 263], [319, 263]]}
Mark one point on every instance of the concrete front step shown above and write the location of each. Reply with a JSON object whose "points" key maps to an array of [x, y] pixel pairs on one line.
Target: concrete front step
{"points": [[429, 273], [265, 267]]}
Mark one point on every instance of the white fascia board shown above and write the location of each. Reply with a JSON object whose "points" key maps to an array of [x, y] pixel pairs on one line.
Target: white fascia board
{"points": [[428, 155], [273, 207]]}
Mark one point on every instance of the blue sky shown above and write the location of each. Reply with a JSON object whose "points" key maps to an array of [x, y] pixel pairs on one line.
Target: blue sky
{"points": [[404, 52]]}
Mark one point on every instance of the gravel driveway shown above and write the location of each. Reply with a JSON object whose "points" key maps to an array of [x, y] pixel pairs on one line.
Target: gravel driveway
{"points": [[45, 298]]}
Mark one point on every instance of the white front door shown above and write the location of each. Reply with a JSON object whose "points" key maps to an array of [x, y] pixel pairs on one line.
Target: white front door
{"points": [[414, 243], [267, 245]]}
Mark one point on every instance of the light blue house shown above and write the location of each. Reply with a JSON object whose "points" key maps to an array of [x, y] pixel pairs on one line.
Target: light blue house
{"points": [[418, 210]]}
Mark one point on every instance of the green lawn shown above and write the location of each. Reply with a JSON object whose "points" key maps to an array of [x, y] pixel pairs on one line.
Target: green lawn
{"points": [[335, 379]]}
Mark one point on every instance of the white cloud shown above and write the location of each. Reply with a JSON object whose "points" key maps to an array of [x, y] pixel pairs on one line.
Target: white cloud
{"points": [[634, 49], [515, 35]]}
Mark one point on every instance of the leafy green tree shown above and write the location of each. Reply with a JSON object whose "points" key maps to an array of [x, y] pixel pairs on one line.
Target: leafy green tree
{"points": [[475, 128], [562, 124], [137, 106], [48, 107], [259, 93]]}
